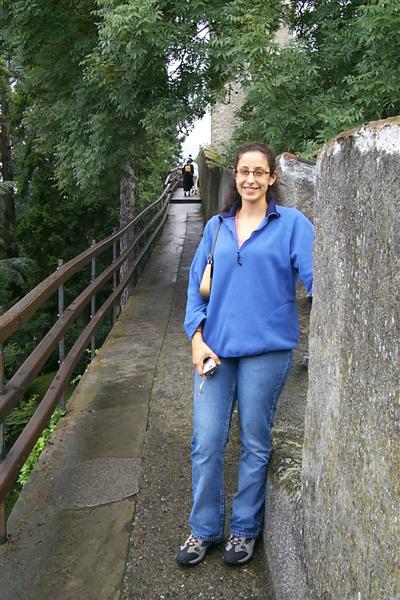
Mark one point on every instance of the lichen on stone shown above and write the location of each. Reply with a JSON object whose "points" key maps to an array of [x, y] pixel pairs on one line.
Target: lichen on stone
{"points": [[286, 462]]}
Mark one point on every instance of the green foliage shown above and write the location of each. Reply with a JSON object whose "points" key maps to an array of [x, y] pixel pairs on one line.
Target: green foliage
{"points": [[6, 186], [98, 77], [151, 170], [245, 37], [375, 81], [24, 341], [11, 499], [341, 69], [102, 85], [41, 384], [99, 86], [18, 418], [38, 448], [63, 225], [14, 424], [13, 273]]}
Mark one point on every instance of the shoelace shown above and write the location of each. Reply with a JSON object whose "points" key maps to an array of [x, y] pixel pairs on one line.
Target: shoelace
{"points": [[193, 541], [235, 541]]}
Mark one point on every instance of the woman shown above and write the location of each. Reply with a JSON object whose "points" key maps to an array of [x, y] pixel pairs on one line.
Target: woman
{"points": [[187, 177], [249, 327], [195, 177]]}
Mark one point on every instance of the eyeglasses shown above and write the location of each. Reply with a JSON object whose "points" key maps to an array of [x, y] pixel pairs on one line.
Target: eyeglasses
{"points": [[245, 172]]}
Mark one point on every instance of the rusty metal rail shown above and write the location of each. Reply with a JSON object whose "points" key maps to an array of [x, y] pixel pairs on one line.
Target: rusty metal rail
{"points": [[20, 313]]}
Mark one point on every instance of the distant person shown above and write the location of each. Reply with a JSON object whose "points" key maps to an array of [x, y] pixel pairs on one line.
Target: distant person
{"points": [[195, 177], [249, 327], [187, 171]]}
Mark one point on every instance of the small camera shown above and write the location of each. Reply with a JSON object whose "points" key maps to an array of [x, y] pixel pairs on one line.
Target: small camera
{"points": [[209, 367]]}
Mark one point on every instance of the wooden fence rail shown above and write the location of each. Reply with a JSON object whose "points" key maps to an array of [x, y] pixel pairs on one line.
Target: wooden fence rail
{"points": [[11, 321]]}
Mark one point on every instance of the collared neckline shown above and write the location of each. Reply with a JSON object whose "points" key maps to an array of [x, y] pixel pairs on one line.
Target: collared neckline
{"points": [[272, 210]]}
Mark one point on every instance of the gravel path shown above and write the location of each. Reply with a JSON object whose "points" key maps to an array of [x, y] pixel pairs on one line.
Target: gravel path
{"points": [[164, 500]]}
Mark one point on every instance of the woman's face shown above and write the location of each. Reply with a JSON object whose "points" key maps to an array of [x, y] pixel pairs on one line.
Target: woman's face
{"points": [[253, 177]]}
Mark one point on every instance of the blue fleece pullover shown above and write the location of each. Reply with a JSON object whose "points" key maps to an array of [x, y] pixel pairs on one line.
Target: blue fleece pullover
{"points": [[252, 307]]}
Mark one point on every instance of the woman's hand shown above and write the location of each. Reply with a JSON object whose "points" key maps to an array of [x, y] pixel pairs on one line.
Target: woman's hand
{"points": [[200, 351]]}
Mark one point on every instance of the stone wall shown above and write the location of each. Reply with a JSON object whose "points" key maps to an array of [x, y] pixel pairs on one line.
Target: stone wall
{"points": [[224, 114], [282, 527], [213, 184], [297, 182], [224, 118], [351, 456]]}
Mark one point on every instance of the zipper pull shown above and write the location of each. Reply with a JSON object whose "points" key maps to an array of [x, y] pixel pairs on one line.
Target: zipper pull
{"points": [[238, 258]]}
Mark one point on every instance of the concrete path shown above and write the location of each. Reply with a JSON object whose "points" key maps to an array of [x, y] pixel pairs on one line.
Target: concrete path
{"points": [[107, 505], [180, 198]]}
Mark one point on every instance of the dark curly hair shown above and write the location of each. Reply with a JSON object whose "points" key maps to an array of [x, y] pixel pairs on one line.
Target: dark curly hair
{"points": [[233, 196]]}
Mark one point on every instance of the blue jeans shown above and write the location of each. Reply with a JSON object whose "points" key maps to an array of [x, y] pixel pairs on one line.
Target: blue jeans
{"points": [[255, 382]]}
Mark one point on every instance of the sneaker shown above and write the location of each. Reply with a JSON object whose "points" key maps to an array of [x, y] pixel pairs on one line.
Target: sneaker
{"points": [[193, 551], [239, 550]]}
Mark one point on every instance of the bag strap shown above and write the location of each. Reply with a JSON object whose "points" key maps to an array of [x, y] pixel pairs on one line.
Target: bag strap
{"points": [[211, 253]]}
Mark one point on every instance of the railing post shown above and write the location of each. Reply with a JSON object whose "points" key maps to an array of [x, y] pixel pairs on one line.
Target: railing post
{"points": [[115, 281], [3, 522], [61, 346], [93, 307]]}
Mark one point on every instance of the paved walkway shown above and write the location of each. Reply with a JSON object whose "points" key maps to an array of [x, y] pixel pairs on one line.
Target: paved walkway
{"points": [[180, 198], [106, 508]]}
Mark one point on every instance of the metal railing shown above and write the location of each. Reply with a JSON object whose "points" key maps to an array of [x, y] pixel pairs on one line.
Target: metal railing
{"points": [[11, 392]]}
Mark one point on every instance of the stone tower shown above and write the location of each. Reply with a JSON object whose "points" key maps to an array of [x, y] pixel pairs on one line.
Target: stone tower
{"points": [[224, 117]]}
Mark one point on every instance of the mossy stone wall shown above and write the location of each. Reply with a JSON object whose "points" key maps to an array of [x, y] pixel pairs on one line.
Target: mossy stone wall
{"points": [[213, 183], [351, 457]]}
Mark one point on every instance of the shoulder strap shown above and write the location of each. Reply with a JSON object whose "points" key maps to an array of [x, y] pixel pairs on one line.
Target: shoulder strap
{"points": [[211, 253]]}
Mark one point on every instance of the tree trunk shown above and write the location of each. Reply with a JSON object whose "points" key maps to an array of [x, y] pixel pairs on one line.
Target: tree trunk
{"points": [[10, 245], [127, 207]]}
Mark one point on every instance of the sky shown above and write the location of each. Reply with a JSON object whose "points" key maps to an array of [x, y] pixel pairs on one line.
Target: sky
{"points": [[199, 136]]}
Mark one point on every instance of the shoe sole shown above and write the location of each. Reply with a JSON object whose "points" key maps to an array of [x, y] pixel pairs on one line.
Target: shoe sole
{"points": [[192, 563], [239, 564]]}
